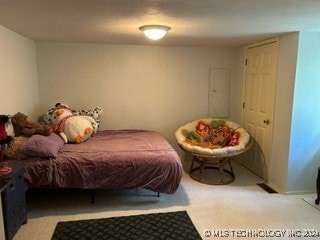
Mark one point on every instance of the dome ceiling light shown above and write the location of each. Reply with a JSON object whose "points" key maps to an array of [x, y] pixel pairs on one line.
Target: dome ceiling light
{"points": [[154, 32]]}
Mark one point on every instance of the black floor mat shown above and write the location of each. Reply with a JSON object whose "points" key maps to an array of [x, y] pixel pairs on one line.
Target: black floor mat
{"points": [[172, 225]]}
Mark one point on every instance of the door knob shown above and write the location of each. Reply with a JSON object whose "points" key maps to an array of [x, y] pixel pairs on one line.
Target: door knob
{"points": [[266, 121]]}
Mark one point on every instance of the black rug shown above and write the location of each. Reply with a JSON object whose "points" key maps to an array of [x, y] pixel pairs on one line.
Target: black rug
{"points": [[168, 226]]}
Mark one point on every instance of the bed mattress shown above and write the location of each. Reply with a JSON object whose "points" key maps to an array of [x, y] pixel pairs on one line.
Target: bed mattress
{"points": [[112, 159]]}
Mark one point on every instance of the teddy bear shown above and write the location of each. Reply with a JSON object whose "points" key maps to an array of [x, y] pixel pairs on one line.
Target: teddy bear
{"points": [[25, 125], [70, 127]]}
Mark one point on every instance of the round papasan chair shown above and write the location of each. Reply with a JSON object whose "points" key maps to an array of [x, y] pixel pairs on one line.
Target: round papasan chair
{"points": [[213, 141]]}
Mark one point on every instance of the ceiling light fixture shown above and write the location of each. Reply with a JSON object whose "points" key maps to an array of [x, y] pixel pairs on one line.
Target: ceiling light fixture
{"points": [[154, 32]]}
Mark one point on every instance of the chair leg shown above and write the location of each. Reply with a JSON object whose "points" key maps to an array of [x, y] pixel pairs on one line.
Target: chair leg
{"points": [[92, 200], [221, 170], [231, 169], [318, 188], [192, 164]]}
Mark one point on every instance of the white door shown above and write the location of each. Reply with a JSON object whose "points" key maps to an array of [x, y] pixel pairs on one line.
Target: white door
{"points": [[259, 101], [219, 88]]}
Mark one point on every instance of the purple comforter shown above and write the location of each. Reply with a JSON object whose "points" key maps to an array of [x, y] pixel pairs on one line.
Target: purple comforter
{"points": [[112, 159]]}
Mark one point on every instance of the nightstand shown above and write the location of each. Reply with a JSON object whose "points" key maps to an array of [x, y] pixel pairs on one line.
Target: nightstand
{"points": [[14, 200]]}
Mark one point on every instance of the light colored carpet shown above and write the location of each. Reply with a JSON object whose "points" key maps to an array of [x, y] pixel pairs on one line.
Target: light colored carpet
{"points": [[241, 207], [311, 201]]}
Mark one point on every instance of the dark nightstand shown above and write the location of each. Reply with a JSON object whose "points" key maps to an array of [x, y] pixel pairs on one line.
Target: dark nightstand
{"points": [[14, 200]]}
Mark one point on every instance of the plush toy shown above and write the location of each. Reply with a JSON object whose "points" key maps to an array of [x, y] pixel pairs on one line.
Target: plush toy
{"points": [[25, 125], [6, 130], [6, 139], [95, 114], [70, 127]]}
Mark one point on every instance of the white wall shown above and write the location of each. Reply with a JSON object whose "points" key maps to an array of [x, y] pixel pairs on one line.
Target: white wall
{"points": [[2, 231], [147, 87], [283, 110], [18, 74], [304, 155], [18, 79], [296, 145]]}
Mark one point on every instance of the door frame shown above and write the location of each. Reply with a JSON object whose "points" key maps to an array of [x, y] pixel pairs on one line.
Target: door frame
{"points": [[252, 45]]}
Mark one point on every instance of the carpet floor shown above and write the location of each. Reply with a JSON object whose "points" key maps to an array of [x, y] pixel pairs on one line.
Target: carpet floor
{"points": [[224, 210], [311, 201]]}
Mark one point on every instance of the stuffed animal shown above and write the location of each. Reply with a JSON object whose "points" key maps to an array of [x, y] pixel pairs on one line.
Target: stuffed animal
{"points": [[70, 127], [25, 125], [6, 131], [95, 114], [6, 139]]}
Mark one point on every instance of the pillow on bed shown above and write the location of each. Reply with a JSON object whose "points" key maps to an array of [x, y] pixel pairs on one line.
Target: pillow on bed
{"points": [[13, 151], [43, 146]]}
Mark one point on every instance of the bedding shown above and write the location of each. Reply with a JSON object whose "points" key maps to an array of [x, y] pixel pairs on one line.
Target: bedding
{"points": [[112, 159], [43, 146], [14, 150]]}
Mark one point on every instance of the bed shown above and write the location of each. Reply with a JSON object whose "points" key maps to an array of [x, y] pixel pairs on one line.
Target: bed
{"points": [[111, 159]]}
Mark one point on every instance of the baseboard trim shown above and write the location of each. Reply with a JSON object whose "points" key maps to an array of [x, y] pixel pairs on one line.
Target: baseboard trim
{"points": [[301, 192], [280, 190]]}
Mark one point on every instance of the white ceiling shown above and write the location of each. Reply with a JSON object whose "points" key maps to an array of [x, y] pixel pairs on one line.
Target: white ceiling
{"points": [[194, 22]]}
